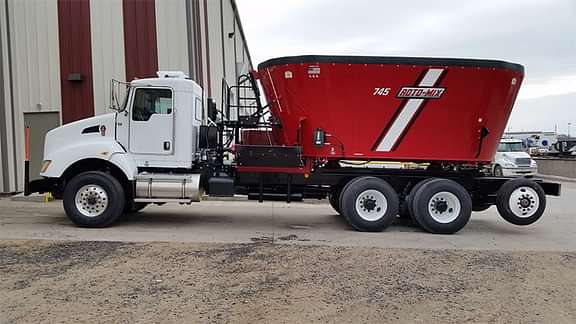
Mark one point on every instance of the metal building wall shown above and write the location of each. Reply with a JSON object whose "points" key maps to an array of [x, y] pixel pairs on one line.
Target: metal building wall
{"points": [[200, 37], [31, 58], [75, 60], [4, 102], [172, 35], [228, 38], [205, 47], [214, 36], [140, 43], [107, 49]]}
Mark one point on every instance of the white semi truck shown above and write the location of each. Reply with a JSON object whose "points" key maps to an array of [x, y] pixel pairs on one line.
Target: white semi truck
{"points": [[166, 143], [512, 160]]}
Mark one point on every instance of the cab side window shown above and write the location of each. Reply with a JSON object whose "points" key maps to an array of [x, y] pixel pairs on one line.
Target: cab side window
{"points": [[148, 102]]}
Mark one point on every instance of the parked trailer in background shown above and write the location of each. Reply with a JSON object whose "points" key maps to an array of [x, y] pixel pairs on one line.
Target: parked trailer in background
{"points": [[168, 144]]}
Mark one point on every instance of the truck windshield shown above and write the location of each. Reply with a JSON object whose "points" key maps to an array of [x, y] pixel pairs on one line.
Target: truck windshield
{"points": [[511, 147]]}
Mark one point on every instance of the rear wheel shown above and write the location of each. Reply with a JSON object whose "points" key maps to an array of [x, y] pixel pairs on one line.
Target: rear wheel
{"points": [[521, 202], [409, 203], [369, 204], [94, 199], [442, 206]]}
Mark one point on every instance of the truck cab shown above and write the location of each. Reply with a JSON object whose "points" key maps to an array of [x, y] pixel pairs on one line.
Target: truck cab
{"points": [[511, 160]]}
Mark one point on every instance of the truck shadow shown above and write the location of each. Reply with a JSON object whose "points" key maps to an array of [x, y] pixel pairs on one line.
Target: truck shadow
{"points": [[318, 221]]}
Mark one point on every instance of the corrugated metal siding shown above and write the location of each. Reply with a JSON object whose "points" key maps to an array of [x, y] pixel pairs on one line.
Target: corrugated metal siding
{"points": [[140, 44], [35, 59], [229, 23], [35, 71], [205, 44], [172, 36], [4, 172], [75, 58], [107, 49], [215, 49], [123, 41]]}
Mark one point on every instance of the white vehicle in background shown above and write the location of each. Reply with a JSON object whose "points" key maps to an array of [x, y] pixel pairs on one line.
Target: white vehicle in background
{"points": [[511, 160]]}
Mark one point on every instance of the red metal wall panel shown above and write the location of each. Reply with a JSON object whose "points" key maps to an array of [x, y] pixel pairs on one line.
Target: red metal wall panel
{"points": [[140, 42], [75, 58]]}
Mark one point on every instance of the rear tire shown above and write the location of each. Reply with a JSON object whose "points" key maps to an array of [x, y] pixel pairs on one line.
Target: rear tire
{"points": [[369, 204], [94, 199], [410, 198], [521, 202], [442, 206]]}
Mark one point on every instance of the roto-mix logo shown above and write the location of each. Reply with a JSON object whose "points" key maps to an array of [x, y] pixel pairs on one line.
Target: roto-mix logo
{"points": [[420, 93], [427, 87]]}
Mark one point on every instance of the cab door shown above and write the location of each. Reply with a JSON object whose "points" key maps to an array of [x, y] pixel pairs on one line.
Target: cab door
{"points": [[152, 121]]}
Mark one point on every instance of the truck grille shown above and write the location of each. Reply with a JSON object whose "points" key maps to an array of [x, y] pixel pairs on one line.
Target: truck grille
{"points": [[523, 162]]}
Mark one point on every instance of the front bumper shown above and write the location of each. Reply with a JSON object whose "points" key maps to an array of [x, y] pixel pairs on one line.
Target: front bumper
{"points": [[42, 185], [519, 172]]}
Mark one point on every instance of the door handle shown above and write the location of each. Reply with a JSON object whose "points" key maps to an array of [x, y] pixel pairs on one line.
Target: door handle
{"points": [[167, 146]]}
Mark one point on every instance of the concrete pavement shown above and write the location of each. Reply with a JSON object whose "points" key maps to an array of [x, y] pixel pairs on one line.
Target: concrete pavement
{"points": [[298, 223]]}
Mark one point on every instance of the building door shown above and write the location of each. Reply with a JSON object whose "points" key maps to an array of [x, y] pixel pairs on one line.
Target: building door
{"points": [[40, 123], [152, 121]]}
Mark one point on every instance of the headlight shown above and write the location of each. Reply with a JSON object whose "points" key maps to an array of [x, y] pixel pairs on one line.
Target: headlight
{"points": [[533, 164], [509, 165], [45, 165]]}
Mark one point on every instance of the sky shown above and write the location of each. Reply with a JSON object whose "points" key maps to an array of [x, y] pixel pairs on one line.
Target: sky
{"points": [[539, 34]]}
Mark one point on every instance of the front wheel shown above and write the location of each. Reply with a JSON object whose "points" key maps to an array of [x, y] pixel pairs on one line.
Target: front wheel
{"points": [[94, 199], [369, 204], [521, 202]]}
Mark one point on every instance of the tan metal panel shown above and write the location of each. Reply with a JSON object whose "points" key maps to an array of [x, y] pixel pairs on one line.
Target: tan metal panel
{"points": [[35, 59], [4, 102], [35, 68], [229, 35], [106, 23], [215, 42], [204, 46], [172, 37]]}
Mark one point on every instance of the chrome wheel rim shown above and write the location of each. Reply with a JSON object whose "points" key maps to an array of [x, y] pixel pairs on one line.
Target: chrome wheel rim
{"points": [[444, 207], [91, 200], [371, 205], [524, 202]]}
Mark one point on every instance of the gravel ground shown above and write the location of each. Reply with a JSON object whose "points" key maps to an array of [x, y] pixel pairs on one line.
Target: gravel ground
{"points": [[108, 282]]}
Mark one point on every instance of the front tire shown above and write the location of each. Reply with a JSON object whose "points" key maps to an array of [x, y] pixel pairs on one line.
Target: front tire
{"points": [[521, 202], [94, 199], [369, 204], [442, 206]]}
